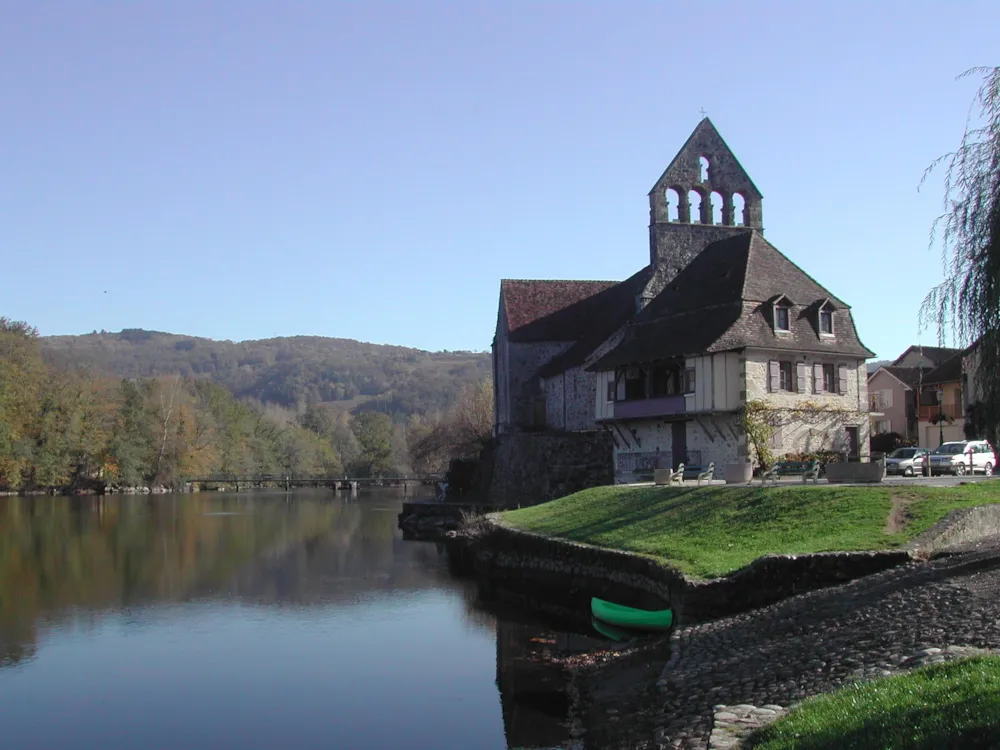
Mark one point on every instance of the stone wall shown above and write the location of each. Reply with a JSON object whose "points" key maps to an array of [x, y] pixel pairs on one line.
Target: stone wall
{"points": [[712, 438], [569, 400], [533, 467], [519, 383], [515, 558], [961, 526], [811, 429]]}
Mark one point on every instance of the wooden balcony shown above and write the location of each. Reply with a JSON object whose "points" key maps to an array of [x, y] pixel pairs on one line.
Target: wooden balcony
{"points": [[660, 406], [927, 412]]}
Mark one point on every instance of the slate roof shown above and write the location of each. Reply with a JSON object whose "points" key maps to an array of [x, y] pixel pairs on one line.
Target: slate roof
{"points": [[548, 310], [936, 354], [721, 301], [948, 372], [908, 375]]}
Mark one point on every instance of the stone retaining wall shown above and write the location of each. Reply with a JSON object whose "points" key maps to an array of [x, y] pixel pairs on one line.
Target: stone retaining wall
{"points": [[534, 467], [579, 571], [434, 517], [960, 526]]}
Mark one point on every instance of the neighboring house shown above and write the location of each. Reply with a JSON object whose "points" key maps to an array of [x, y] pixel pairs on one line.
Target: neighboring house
{"points": [[927, 357], [894, 390], [941, 405], [892, 398], [667, 358]]}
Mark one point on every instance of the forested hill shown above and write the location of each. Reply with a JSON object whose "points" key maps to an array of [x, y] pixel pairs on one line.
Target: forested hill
{"points": [[292, 371]]}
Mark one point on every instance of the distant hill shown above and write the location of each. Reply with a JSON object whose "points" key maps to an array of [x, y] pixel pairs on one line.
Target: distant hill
{"points": [[873, 366], [291, 371]]}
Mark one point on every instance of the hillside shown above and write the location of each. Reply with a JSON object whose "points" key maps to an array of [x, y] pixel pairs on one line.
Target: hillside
{"points": [[290, 371]]}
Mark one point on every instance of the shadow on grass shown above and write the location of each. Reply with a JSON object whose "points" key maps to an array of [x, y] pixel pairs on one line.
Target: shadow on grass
{"points": [[949, 706]]}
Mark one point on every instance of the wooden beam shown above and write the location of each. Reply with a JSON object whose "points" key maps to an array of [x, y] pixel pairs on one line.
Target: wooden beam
{"points": [[708, 432]]}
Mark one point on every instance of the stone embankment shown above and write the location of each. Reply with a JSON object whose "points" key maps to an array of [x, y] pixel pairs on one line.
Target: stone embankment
{"points": [[516, 558], [819, 641]]}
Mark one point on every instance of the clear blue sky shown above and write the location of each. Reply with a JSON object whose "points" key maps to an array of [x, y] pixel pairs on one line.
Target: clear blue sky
{"points": [[246, 169]]}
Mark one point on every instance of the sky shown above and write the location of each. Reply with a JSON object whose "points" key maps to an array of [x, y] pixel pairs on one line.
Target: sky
{"points": [[371, 170]]}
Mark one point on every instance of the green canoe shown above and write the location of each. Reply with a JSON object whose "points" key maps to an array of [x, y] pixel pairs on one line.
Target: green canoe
{"points": [[630, 617], [610, 631]]}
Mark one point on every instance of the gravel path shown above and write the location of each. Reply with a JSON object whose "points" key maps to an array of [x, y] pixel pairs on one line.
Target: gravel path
{"points": [[816, 642]]}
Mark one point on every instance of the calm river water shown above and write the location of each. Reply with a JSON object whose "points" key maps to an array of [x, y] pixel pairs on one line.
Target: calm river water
{"points": [[252, 620]]}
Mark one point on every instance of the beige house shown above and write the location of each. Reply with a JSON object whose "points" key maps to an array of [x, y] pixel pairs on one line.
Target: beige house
{"points": [[941, 409], [740, 323]]}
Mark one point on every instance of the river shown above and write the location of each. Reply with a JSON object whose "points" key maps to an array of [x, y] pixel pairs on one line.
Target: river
{"points": [[249, 620]]}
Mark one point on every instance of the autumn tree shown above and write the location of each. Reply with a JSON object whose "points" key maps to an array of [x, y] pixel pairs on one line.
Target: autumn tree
{"points": [[463, 432]]}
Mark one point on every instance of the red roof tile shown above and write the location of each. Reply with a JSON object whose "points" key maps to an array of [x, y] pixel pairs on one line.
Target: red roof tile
{"points": [[532, 306]]}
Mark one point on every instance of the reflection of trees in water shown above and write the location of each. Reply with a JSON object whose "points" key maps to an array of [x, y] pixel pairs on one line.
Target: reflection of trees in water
{"points": [[61, 554]]}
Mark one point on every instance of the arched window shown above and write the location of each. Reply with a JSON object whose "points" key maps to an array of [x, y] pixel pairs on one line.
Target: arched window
{"points": [[703, 164], [673, 205], [716, 198], [694, 210], [739, 210]]}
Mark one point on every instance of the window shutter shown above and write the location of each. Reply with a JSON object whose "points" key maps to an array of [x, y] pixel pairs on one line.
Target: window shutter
{"points": [[800, 377], [773, 376], [842, 375], [817, 378]]}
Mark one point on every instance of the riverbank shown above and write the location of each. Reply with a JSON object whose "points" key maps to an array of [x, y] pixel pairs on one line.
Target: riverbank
{"points": [[748, 634], [710, 532]]}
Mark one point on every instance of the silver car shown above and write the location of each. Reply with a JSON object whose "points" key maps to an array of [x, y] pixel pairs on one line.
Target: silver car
{"points": [[905, 461]]}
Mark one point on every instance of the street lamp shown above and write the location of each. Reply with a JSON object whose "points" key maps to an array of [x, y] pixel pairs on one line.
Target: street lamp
{"points": [[940, 398]]}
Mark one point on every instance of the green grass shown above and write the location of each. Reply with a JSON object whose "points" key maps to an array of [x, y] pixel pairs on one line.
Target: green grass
{"points": [[711, 531], [941, 706]]}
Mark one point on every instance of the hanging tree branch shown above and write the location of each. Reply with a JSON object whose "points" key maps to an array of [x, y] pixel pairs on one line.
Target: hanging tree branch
{"points": [[967, 301]]}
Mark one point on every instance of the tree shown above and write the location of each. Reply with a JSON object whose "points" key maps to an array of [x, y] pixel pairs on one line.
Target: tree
{"points": [[22, 375], [464, 431], [968, 299], [374, 432]]}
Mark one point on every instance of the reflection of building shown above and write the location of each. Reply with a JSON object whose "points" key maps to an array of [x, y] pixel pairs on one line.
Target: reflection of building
{"points": [[532, 690]]}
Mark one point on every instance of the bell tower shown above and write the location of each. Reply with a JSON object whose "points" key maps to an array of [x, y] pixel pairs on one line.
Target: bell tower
{"points": [[703, 196]]}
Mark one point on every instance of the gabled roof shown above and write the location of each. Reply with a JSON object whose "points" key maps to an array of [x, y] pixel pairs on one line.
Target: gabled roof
{"points": [[720, 302], [704, 134], [936, 354], [547, 310], [907, 376], [948, 372]]}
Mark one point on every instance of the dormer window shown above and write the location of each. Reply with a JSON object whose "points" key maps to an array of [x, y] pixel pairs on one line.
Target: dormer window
{"points": [[826, 319], [782, 314]]}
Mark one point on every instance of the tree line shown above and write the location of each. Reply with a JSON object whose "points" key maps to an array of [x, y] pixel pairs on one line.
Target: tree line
{"points": [[290, 371], [69, 428]]}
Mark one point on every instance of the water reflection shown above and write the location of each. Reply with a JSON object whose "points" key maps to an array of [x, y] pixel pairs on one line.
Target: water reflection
{"points": [[263, 620]]}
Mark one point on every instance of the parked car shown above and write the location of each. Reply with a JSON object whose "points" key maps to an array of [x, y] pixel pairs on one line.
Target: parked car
{"points": [[905, 461], [963, 457]]}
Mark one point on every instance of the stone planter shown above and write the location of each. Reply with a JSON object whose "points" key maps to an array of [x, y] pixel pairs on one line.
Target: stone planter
{"points": [[740, 473], [855, 472], [661, 476]]}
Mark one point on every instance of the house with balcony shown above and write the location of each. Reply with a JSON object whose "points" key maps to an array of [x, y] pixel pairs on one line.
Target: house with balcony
{"points": [[941, 404], [739, 323], [894, 390]]}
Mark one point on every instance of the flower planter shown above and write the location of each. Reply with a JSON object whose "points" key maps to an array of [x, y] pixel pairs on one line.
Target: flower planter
{"points": [[740, 473]]}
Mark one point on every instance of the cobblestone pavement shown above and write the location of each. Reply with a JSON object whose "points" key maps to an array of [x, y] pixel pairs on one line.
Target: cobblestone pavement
{"points": [[819, 641]]}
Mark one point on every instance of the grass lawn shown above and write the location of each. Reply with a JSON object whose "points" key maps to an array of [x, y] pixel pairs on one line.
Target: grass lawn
{"points": [[941, 706], [711, 531]]}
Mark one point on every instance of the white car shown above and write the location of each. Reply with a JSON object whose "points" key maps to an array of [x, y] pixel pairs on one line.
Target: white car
{"points": [[963, 457]]}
